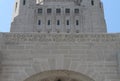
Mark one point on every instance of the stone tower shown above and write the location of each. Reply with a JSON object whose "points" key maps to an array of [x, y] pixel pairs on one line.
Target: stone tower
{"points": [[59, 40], [66, 16]]}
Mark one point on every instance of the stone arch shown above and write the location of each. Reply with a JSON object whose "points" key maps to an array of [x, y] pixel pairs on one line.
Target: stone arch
{"points": [[59, 75]]}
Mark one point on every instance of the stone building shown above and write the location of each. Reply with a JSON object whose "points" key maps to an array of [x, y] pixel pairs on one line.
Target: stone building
{"points": [[59, 40]]}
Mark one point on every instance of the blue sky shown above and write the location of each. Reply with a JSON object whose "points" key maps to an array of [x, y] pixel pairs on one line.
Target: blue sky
{"points": [[111, 9]]}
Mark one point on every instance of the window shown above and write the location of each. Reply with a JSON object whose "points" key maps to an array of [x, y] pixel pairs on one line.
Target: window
{"points": [[58, 22], [77, 22], [39, 22], [49, 10], [100, 5], [92, 2], [24, 2], [67, 10], [67, 22], [16, 6], [48, 22], [40, 10], [58, 10], [76, 11]]}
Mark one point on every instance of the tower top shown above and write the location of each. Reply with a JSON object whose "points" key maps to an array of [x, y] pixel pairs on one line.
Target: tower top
{"points": [[61, 16]]}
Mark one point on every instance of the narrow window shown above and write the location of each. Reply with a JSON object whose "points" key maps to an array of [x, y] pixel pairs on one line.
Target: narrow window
{"points": [[39, 22], [76, 11], [49, 10], [67, 10], [16, 6], [77, 22], [24, 2], [58, 10], [100, 5], [92, 2], [58, 22], [48, 22], [40, 10], [67, 22]]}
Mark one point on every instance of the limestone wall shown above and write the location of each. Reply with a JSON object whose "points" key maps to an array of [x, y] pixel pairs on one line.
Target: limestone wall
{"points": [[119, 63], [94, 55], [0, 40], [90, 18], [1, 43], [0, 53]]}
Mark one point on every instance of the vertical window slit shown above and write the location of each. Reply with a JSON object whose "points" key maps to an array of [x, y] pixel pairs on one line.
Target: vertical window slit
{"points": [[16, 6], [92, 2], [77, 22], [67, 22], [48, 22], [58, 22], [100, 5], [39, 22], [24, 2]]}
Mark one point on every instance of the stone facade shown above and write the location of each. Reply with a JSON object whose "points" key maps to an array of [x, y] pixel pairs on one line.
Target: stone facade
{"points": [[27, 54], [66, 16], [78, 48]]}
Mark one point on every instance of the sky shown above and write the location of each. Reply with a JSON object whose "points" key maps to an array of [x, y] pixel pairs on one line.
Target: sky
{"points": [[111, 11]]}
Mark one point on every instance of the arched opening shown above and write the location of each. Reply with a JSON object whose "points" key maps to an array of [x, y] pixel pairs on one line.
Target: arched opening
{"points": [[59, 75]]}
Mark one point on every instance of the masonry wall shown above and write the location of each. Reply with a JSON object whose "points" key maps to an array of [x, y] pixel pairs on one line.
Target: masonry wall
{"points": [[119, 63], [25, 54], [90, 17]]}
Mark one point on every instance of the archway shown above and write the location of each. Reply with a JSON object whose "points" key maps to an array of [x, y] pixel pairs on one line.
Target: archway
{"points": [[59, 75]]}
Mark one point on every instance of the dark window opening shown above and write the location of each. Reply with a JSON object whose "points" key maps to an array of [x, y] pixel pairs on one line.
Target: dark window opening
{"points": [[16, 6], [67, 11], [58, 22], [76, 11], [39, 22], [92, 2], [48, 22], [58, 11], [24, 2], [77, 22], [100, 5], [40, 10], [49, 10], [67, 22]]}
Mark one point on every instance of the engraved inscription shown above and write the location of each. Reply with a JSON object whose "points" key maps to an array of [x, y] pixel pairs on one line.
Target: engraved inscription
{"points": [[60, 37]]}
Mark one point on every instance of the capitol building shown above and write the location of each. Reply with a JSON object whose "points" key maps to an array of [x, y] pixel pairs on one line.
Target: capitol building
{"points": [[59, 40]]}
